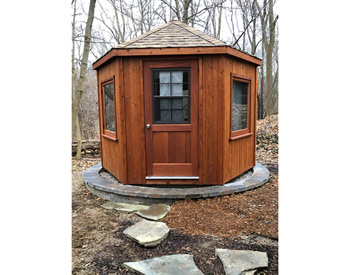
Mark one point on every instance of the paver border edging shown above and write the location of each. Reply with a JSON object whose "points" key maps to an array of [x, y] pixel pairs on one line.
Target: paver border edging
{"points": [[148, 195]]}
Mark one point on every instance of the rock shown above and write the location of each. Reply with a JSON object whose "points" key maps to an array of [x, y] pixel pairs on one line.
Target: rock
{"points": [[182, 264], [155, 212], [237, 261], [129, 208], [124, 207], [250, 272], [109, 205], [147, 233]]}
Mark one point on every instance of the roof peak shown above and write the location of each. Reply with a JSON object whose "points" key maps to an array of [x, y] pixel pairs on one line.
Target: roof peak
{"points": [[172, 34]]}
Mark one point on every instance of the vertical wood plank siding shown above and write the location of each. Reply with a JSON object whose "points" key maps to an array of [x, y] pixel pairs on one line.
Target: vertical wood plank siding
{"points": [[135, 122], [220, 159], [113, 152], [239, 154], [211, 119]]}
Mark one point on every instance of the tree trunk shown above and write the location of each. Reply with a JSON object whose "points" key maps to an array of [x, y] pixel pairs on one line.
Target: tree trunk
{"points": [[83, 69], [73, 66]]}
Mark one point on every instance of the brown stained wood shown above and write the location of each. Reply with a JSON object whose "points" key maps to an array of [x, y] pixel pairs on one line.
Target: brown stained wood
{"points": [[175, 169], [200, 120], [207, 86], [203, 149], [180, 147], [240, 152], [166, 143], [134, 114], [121, 121], [175, 51], [111, 150], [171, 150], [160, 147], [172, 182], [220, 118], [188, 147]]}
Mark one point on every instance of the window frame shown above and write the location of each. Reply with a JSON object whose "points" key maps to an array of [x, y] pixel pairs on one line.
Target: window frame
{"points": [[106, 133], [170, 69], [234, 135]]}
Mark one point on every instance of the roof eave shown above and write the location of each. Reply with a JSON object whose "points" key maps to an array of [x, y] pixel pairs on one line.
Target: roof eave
{"points": [[225, 49]]}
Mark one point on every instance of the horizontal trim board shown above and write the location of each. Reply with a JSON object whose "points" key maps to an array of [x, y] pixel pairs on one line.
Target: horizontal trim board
{"points": [[171, 178], [115, 52]]}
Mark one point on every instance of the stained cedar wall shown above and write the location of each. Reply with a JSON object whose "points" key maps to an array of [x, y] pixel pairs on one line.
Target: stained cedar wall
{"points": [[211, 117], [113, 152], [135, 122], [219, 158], [238, 155]]}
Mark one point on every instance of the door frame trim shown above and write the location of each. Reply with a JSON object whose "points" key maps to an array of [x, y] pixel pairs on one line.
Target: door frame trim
{"points": [[192, 63]]}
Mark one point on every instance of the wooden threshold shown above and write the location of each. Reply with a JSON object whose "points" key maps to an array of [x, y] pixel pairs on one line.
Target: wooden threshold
{"points": [[170, 178]]}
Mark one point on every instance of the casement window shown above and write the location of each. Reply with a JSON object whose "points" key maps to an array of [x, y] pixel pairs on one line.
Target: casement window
{"points": [[108, 109], [240, 106], [171, 96]]}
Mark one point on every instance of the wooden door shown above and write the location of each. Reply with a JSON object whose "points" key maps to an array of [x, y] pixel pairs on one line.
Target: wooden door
{"points": [[171, 118]]}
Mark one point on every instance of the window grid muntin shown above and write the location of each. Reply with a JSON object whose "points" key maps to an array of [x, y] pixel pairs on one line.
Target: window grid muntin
{"points": [[188, 96]]}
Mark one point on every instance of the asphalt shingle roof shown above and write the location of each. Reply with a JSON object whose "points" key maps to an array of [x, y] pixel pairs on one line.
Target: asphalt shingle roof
{"points": [[170, 35]]}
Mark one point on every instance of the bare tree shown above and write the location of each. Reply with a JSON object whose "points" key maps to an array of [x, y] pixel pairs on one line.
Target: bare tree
{"points": [[73, 57], [83, 69], [268, 27]]}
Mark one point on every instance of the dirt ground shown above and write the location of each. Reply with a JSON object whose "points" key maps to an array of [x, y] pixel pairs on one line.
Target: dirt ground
{"points": [[240, 221]]}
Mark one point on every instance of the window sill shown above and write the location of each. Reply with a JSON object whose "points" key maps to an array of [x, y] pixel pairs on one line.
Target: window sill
{"points": [[109, 137], [240, 136]]}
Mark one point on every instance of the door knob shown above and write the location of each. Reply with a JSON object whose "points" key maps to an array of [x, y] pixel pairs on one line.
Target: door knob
{"points": [[148, 126]]}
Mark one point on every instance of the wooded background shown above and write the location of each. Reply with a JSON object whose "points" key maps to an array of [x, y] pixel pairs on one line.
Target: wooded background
{"points": [[98, 26]]}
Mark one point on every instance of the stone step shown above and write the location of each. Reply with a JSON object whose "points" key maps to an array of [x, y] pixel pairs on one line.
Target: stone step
{"points": [[178, 264], [124, 207], [147, 233], [236, 262], [155, 212]]}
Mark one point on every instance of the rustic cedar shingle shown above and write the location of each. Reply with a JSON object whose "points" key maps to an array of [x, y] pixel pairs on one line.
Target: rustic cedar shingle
{"points": [[172, 34]]}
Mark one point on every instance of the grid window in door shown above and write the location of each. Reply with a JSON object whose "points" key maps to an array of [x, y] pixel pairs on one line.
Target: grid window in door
{"points": [[171, 96]]}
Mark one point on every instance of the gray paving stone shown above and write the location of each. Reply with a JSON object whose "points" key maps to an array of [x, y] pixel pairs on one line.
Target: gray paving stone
{"points": [[155, 212], [109, 205], [147, 233], [179, 264], [237, 261], [114, 190], [129, 208], [250, 272]]}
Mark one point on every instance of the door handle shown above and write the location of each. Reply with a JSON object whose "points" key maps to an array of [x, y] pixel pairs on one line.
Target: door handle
{"points": [[148, 126]]}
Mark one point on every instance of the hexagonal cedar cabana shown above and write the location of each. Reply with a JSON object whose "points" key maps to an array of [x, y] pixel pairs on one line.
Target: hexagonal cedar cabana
{"points": [[177, 106]]}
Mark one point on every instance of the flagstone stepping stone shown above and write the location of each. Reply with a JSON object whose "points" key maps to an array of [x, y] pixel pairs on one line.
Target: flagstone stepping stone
{"points": [[179, 264], [130, 208], [155, 212], [235, 262], [147, 233], [250, 272], [109, 205], [124, 207]]}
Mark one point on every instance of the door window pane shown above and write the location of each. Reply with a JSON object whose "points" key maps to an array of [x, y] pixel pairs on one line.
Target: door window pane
{"points": [[176, 77], [164, 77], [164, 89], [239, 105], [170, 96]]}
